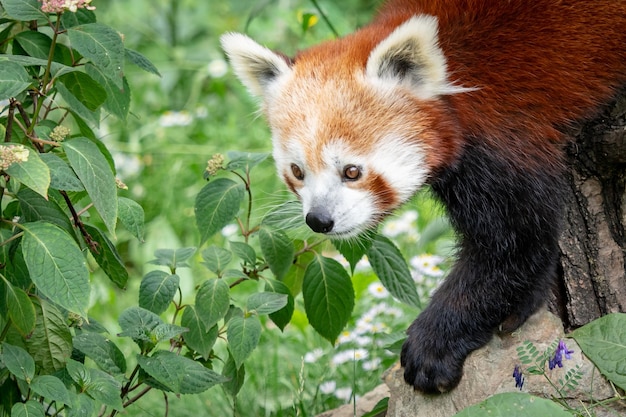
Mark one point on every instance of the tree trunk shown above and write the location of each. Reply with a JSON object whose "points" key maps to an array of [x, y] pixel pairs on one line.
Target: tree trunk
{"points": [[592, 277]]}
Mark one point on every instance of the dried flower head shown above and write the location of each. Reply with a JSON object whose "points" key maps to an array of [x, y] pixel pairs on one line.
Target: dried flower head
{"points": [[11, 154], [59, 6], [214, 164]]}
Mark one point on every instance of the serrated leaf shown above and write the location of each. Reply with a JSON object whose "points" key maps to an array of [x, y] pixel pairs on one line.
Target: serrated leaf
{"points": [[107, 257], [76, 107], [18, 361], [245, 160], [514, 404], [141, 61], [132, 216], [243, 336], [354, 249], [283, 316], [173, 258], [51, 388], [117, 100], [102, 351], [50, 343], [95, 173], [33, 173], [56, 266], [167, 331], [103, 46], [20, 309], [392, 270], [244, 251], [198, 338], [212, 301], [236, 376], [278, 251], [181, 375], [216, 206], [216, 259], [79, 17], [266, 302], [157, 291], [286, 216], [98, 384], [13, 79], [603, 341], [34, 207], [62, 177], [82, 404], [139, 324], [85, 89], [23, 9], [328, 296], [30, 408], [36, 44]]}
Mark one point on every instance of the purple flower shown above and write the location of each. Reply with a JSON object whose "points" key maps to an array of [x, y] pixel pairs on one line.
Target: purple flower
{"points": [[519, 377], [557, 359]]}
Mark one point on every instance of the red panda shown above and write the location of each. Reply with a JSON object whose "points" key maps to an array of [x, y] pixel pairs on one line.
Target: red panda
{"points": [[471, 97]]}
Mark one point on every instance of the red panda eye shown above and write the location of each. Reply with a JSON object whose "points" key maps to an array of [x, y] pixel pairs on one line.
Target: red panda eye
{"points": [[297, 172], [351, 172]]}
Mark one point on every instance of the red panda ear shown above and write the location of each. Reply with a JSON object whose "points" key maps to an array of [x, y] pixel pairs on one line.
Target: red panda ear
{"points": [[411, 56], [256, 66]]}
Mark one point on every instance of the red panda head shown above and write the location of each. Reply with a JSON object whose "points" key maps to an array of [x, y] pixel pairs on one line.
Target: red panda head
{"points": [[358, 124]]}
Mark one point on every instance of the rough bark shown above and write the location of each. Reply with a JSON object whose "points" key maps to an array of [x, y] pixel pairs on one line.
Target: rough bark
{"points": [[592, 279]]}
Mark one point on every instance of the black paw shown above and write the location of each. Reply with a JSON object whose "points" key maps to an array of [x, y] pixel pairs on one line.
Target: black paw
{"points": [[436, 348]]}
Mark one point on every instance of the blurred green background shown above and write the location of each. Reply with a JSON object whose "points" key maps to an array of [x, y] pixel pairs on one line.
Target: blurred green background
{"points": [[177, 122]]}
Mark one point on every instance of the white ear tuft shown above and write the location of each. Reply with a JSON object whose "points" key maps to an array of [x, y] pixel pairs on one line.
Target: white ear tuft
{"points": [[256, 66], [411, 56]]}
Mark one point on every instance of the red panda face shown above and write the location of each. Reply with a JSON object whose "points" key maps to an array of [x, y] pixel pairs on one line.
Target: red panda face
{"points": [[357, 124]]}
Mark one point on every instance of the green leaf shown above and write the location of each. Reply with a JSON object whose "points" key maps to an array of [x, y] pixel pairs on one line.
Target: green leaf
{"points": [[392, 270], [604, 342], [245, 160], [157, 291], [117, 99], [216, 206], [62, 177], [354, 249], [77, 108], [13, 79], [283, 316], [34, 207], [244, 251], [99, 385], [102, 351], [514, 404], [212, 301], [18, 362], [266, 302], [167, 331], [198, 338], [103, 46], [85, 89], [36, 44], [94, 172], [30, 408], [328, 296], [173, 258], [131, 215], [139, 324], [56, 266], [243, 335], [33, 173], [236, 376], [380, 409], [51, 388], [107, 257], [51, 341], [286, 216], [141, 61], [80, 17], [20, 308], [216, 259], [82, 404], [278, 251], [181, 375], [23, 9]]}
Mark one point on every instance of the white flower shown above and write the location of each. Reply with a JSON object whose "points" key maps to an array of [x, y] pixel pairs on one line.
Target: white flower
{"points": [[378, 290], [405, 224], [230, 230], [217, 68], [328, 387], [342, 357], [175, 118], [344, 393], [372, 364], [427, 264], [313, 356]]}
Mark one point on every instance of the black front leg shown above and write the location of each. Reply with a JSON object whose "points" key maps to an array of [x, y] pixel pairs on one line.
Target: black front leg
{"points": [[508, 221]]}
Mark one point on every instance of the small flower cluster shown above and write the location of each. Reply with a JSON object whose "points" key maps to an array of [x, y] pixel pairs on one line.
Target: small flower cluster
{"points": [[11, 154], [214, 164], [59, 6], [59, 133], [519, 377], [557, 359], [405, 224]]}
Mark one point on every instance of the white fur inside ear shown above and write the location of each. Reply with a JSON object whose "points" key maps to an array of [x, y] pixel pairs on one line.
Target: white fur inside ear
{"points": [[256, 66], [411, 56]]}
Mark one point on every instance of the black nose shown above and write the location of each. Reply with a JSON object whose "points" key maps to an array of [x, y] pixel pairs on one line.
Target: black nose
{"points": [[320, 221]]}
